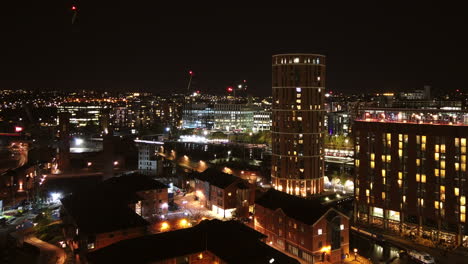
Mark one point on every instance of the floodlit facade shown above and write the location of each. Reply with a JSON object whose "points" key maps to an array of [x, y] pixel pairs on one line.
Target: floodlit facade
{"points": [[298, 123], [411, 175]]}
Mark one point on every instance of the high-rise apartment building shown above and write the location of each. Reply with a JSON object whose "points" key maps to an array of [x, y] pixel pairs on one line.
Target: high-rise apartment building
{"points": [[411, 175], [298, 123]]}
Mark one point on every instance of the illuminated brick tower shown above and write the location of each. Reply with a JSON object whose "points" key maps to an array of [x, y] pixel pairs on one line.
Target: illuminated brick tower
{"points": [[298, 123], [64, 142]]}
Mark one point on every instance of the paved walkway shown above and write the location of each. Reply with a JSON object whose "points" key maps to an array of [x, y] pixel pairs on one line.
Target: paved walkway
{"points": [[50, 254], [356, 260]]}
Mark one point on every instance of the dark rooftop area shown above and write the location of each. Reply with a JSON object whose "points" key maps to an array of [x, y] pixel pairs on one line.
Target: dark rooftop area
{"points": [[104, 207], [216, 177], [231, 241], [308, 211]]}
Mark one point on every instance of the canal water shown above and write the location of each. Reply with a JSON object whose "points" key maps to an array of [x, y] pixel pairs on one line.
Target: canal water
{"points": [[377, 252]]}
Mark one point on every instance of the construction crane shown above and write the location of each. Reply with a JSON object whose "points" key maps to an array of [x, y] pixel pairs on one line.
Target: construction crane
{"points": [[74, 9], [190, 81]]}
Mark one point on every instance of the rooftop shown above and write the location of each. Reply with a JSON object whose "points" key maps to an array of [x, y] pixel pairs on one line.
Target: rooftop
{"points": [[104, 207], [307, 211], [217, 178], [231, 241], [441, 116]]}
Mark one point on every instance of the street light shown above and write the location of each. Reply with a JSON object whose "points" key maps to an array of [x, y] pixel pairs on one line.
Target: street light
{"points": [[355, 253]]}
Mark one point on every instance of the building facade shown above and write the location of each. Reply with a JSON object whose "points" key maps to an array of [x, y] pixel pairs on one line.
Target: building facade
{"points": [[319, 237], [147, 158], [233, 117], [261, 120], [298, 123], [198, 116], [224, 193], [411, 173], [82, 114]]}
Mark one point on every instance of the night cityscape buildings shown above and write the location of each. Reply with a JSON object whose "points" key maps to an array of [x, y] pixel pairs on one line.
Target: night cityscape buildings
{"points": [[298, 123], [411, 172], [158, 133]]}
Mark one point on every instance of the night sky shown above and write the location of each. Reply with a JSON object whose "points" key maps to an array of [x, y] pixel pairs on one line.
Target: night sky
{"points": [[145, 45]]}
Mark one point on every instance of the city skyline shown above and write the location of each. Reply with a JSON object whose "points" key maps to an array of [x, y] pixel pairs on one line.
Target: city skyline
{"points": [[151, 47]]}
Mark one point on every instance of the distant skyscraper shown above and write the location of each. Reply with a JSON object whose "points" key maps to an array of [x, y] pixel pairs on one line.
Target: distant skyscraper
{"points": [[64, 141], [298, 123]]}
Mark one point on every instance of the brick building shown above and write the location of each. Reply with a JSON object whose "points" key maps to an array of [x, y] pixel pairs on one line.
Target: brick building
{"points": [[411, 172], [302, 227], [112, 211], [298, 126], [209, 242], [224, 193]]}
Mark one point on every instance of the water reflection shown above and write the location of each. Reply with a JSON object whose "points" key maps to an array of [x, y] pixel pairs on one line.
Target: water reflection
{"points": [[377, 252]]}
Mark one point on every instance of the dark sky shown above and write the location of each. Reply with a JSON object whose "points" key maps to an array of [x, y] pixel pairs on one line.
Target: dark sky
{"points": [[145, 45]]}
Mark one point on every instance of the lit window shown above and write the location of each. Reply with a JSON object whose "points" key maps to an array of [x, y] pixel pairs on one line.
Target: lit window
{"points": [[457, 166], [404, 198], [320, 231], [463, 142], [367, 192], [341, 227], [418, 162], [383, 173], [436, 204], [296, 60], [400, 153], [400, 175], [436, 156], [423, 178], [436, 172], [442, 148], [418, 177], [383, 195], [442, 165], [462, 200], [372, 164], [457, 142], [463, 209], [298, 90], [389, 158], [423, 138], [372, 156], [437, 149], [462, 218]]}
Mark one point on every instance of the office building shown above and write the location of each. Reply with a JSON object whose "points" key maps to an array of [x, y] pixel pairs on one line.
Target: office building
{"points": [[198, 115], [233, 117], [298, 123], [82, 114], [411, 172], [261, 120]]}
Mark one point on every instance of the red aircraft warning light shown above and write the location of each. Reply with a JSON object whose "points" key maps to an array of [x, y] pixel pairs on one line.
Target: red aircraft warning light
{"points": [[73, 8], [230, 89], [190, 72], [18, 129]]}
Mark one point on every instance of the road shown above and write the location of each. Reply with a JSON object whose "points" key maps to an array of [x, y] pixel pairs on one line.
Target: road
{"points": [[50, 254]]}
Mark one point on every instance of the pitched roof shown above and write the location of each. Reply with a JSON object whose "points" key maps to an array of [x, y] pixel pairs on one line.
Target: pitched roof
{"points": [[98, 214], [104, 208], [231, 241], [307, 211], [217, 178]]}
